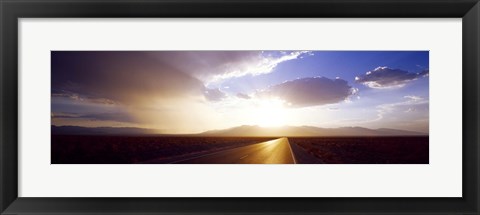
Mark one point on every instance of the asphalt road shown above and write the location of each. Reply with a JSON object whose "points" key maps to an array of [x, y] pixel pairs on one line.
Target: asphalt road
{"points": [[276, 151]]}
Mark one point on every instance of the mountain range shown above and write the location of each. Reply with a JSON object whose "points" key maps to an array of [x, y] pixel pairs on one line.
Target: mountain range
{"points": [[248, 130], [244, 130]]}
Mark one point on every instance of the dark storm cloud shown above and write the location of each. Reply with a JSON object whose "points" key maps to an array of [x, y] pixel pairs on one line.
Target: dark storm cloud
{"points": [[243, 96], [120, 76], [311, 91], [123, 77], [384, 77]]}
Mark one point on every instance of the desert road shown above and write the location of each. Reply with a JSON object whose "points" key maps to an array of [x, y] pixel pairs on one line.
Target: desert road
{"points": [[276, 151]]}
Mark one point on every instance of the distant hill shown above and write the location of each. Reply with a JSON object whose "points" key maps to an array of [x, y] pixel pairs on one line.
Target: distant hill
{"points": [[252, 130], [244, 130], [78, 130]]}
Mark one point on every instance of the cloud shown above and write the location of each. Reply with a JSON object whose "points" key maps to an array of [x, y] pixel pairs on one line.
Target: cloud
{"points": [[118, 117], [424, 73], [214, 94], [83, 98], [384, 77], [310, 91], [413, 98], [410, 104], [257, 64], [243, 96], [333, 109], [409, 113], [157, 88], [120, 77], [213, 66]]}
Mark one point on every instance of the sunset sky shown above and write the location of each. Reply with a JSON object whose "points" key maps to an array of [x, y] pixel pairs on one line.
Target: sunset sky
{"points": [[195, 91]]}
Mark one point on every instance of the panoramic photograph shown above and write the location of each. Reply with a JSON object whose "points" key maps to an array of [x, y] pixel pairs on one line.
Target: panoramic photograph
{"points": [[240, 107]]}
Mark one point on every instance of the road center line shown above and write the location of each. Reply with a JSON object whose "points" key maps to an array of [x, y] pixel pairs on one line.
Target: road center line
{"points": [[218, 152]]}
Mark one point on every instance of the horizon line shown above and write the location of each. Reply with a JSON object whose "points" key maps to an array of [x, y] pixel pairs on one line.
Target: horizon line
{"points": [[213, 130]]}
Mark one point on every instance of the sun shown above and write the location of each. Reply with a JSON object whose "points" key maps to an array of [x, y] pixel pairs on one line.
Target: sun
{"points": [[270, 113]]}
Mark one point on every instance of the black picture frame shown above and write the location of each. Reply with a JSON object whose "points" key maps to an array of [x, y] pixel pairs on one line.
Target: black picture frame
{"points": [[12, 10]]}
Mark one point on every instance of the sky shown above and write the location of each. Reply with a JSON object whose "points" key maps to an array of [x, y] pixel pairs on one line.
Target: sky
{"points": [[179, 92]]}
